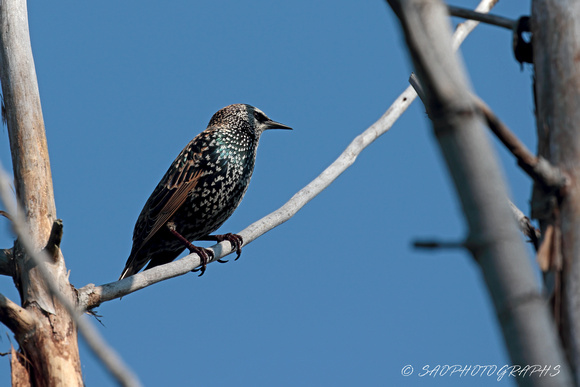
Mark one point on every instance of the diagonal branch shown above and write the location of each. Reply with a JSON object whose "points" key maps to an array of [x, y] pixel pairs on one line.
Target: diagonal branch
{"points": [[92, 296], [538, 168], [16, 318], [107, 355], [526, 160]]}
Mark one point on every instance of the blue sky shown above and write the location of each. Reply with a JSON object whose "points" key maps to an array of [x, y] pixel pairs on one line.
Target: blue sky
{"points": [[336, 296]]}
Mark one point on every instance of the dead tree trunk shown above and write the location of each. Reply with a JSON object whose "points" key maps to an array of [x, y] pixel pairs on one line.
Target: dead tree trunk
{"points": [[555, 31], [44, 330], [492, 239]]}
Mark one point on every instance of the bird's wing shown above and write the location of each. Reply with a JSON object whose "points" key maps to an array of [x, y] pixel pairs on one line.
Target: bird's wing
{"points": [[190, 169], [169, 195], [187, 171], [169, 203]]}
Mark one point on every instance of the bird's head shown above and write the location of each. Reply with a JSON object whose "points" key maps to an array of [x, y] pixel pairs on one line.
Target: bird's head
{"points": [[245, 117]]}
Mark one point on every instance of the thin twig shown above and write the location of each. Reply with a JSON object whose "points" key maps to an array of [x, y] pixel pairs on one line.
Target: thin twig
{"points": [[522, 220], [537, 168], [6, 215], [465, 28], [486, 18], [91, 296], [433, 244], [114, 364], [513, 144]]}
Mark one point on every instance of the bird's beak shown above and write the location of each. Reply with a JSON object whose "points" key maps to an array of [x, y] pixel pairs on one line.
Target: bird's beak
{"points": [[275, 125]]}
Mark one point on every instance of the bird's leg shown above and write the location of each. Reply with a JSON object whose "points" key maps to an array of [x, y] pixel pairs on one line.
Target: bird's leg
{"points": [[235, 240], [204, 254]]}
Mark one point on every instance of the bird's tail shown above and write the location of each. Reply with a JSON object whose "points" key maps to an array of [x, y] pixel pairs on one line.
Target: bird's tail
{"points": [[128, 271], [131, 267]]}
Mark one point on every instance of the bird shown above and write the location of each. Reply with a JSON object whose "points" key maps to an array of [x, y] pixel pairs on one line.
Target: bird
{"points": [[200, 190]]}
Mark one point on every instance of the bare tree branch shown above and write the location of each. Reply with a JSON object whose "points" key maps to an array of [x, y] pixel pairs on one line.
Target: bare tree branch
{"points": [[548, 176], [522, 220], [495, 20], [107, 355], [31, 164], [465, 28], [493, 238], [16, 318], [54, 358], [90, 296], [519, 150], [436, 245], [24, 120], [537, 168]]}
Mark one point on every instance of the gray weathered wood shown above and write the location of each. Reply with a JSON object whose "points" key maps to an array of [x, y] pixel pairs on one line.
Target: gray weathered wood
{"points": [[492, 238], [52, 359], [46, 324], [556, 32]]}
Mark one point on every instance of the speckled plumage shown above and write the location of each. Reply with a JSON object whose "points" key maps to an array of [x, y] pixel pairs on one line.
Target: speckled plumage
{"points": [[201, 189]]}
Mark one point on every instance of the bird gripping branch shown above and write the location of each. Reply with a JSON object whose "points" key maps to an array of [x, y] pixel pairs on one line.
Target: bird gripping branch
{"points": [[201, 190]]}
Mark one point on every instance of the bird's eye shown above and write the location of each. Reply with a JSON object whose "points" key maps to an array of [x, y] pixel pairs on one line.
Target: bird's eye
{"points": [[259, 116]]}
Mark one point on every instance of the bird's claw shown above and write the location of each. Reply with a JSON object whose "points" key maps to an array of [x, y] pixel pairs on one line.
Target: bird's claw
{"points": [[204, 256], [235, 240]]}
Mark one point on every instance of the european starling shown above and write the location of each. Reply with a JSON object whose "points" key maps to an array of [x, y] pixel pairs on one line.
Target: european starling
{"points": [[201, 189]]}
